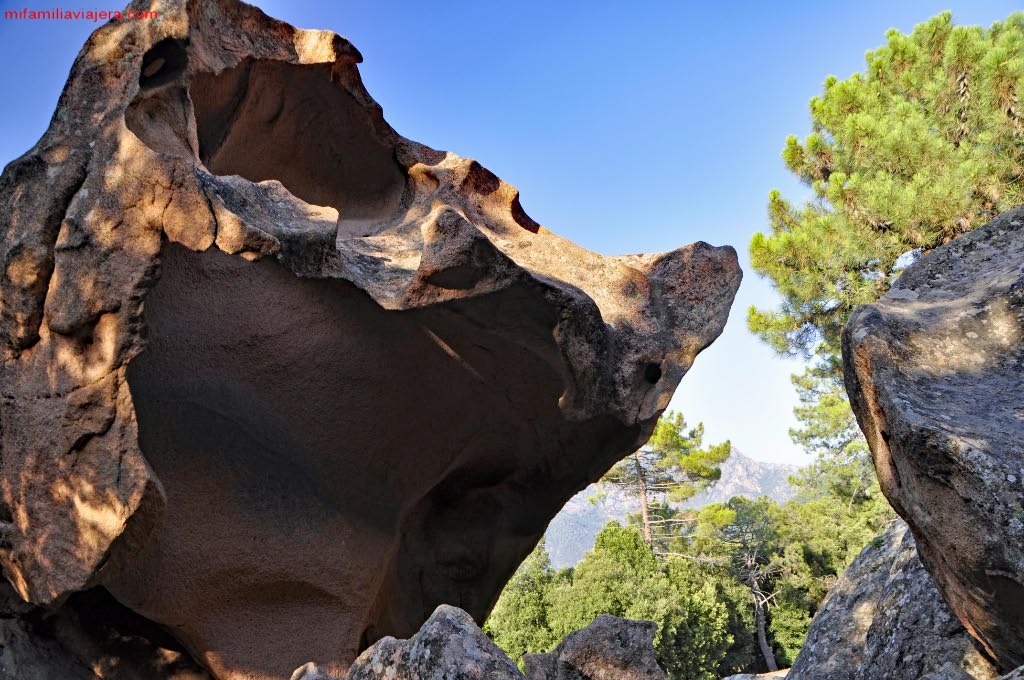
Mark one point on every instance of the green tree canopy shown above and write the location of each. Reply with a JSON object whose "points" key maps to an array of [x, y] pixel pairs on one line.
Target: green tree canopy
{"points": [[621, 576], [519, 621], [672, 466], [924, 145], [747, 532]]}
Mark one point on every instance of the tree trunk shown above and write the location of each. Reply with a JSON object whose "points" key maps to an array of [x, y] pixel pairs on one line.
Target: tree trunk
{"points": [[760, 621], [645, 511]]}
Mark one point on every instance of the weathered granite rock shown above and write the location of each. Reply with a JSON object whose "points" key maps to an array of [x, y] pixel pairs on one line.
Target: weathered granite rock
{"points": [[934, 373], [449, 646], [609, 648], [885, 620], [282, 380], [91, 637], [310, 671]]}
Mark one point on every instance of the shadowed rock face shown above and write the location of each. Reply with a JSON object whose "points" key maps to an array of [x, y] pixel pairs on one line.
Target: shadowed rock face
{"points": [[283, 381], [934, 373]]}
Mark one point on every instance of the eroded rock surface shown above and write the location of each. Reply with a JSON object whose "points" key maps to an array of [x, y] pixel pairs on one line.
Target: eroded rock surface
{"points": [[90, 637], [934, 373], [609, 647], [310, 671], [449, 646], [282, 380], [885, 620]]}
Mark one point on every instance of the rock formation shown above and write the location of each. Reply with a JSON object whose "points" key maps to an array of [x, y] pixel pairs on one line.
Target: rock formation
{"points": [[448, 646], [90, 637], [609, 647], [934, 373], [885, 620], [281, 380]]}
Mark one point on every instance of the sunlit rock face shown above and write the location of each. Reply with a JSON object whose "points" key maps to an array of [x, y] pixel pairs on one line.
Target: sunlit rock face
{"points": [[282, 380], [935, 373], [885, 620]]}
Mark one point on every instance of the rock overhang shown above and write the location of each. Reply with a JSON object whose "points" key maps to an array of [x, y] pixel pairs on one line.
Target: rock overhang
{"points": [[204, 303]]}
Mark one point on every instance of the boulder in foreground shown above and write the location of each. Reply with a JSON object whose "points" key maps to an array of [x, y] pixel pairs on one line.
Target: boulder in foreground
{"points": [[885, 620], [935, 374], [609, 647]]}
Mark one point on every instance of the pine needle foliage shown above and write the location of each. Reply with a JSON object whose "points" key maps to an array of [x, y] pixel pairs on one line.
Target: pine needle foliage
{"points": [[924, 145]]}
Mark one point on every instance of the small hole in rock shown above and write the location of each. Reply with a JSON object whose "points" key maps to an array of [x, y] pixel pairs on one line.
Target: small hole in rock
{"points": [[652, 373], [154, 67], [163, 63]]}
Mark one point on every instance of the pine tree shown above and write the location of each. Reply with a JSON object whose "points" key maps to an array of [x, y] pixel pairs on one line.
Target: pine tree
{"points": [[673, 466], [923, 146], [746, 531]]}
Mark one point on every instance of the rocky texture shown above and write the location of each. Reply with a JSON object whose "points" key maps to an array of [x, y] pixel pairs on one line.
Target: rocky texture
{"points": [[310, 671], [610, 648], [934, 373], [1016, 674], [90, 637], [283, 381], [759, 676], [449, 646], [885, 620]]}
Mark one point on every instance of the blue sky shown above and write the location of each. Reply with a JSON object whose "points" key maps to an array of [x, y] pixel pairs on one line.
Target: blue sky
{"points": [[627, 128]]}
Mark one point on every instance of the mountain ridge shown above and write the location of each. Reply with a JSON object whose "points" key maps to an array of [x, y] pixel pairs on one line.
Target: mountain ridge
{"points": [[572, 531]]}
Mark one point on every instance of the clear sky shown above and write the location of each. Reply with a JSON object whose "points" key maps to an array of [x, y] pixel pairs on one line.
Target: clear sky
{"points": [[628, 127]]}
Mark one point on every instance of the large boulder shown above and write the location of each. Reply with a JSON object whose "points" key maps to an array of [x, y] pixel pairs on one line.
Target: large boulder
{"points": [[90, 637], [449, 646], [609, 648], [935, 373], [282, 380], [885, 620]]}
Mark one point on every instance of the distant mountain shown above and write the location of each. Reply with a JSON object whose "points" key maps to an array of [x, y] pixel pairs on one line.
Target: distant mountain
{"points": [[743, 476], [572, 531]]}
